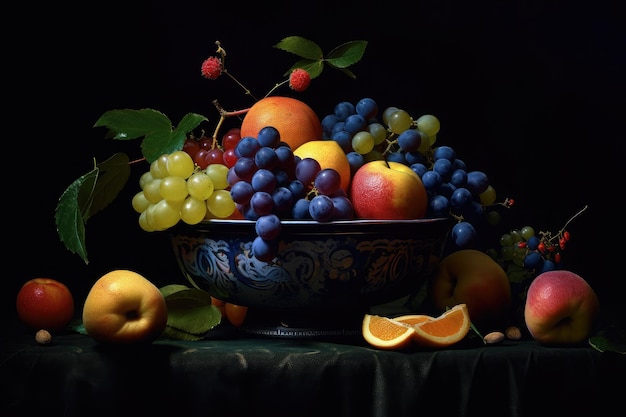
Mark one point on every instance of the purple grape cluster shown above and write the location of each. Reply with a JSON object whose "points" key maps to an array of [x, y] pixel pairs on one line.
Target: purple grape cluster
{"points": [[268, 182], [453, 190]]}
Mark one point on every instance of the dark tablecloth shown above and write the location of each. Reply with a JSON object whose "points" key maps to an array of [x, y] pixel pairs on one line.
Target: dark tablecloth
{"points": [[272, 376]]}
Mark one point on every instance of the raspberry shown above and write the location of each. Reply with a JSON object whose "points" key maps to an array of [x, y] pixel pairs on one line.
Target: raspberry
{"points": [[299, 80], [212, 68]]}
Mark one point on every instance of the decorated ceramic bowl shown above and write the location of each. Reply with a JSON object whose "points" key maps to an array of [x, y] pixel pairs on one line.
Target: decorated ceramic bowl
{"points": [[320, 266]]}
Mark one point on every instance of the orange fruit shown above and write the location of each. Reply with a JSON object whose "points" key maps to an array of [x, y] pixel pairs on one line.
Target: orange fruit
{"points": [[386, 333], [235, 314], [447, 329], [329, 155], [413, 319], [296, 122], [45, 303]]}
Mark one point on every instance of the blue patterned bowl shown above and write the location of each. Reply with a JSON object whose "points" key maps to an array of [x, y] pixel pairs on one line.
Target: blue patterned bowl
{"points": [[320, 266]]}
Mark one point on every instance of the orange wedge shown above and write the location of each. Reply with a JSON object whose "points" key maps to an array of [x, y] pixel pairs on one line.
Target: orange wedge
{"points": [[385, 333], [447, 329]]}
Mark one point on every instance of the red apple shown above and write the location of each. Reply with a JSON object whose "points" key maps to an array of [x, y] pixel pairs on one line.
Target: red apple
{"points": [[387, 190], [472, 277], [561, 308]]}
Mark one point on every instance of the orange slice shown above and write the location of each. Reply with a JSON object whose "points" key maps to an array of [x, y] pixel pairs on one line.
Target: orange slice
{"points": [[385, 333], [413, 319], [447, 329]]}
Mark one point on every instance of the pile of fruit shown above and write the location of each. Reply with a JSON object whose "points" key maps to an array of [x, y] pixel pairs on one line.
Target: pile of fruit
{"points": [[360, 161]]}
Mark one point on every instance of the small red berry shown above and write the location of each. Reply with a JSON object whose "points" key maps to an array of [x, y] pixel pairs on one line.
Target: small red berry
{"points": [[299, 80], [212, 68]]}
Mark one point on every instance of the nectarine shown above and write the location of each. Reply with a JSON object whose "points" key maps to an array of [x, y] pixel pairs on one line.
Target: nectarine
{"points": [[45, 303], [387, 190], [469, 276], [561, 308], [124, 307]]}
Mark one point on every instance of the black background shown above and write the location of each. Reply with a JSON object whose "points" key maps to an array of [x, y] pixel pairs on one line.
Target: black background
{"points": [[532, 93]]}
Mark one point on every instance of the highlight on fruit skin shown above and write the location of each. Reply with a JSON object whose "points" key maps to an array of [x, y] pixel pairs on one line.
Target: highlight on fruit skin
{"points": [[417, 329]]}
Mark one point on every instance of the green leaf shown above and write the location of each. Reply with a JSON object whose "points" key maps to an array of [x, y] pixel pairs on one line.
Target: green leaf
{"points": [[172, 288], [126, 124], [347, 54], [71, 210], [345, 71], [190, 312], [300, 46], [159, 143], [189, 122], [114, 174]]}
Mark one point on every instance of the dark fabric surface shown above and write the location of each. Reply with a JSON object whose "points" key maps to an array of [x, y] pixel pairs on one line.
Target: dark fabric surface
{"points": [[74, 376]]}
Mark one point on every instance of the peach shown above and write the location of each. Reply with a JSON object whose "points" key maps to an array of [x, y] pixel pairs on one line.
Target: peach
{"points": [[561, 308], [45, 303], [387, 190], [469, 276], [124, 307]]}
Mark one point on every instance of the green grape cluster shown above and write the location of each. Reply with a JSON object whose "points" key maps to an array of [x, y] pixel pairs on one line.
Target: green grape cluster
{"points": [[175, 189]]}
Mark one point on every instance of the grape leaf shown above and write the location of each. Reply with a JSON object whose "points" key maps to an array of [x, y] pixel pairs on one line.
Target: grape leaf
{"points": [[160, 142]]}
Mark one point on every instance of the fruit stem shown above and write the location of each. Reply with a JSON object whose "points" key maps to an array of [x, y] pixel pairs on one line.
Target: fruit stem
{"points": [[222, 53], [223, 115]]}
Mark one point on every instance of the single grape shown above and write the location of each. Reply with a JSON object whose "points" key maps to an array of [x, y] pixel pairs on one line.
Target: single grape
{"points": [[300, 210], [247, 147], [221, 204], [444, 168], [268, 227], [378, 131], [409, 140], [193, 210], [399, 121], [219, 175], [344, 139], [199, 185], [367, 108], [428, 124], [263, 180], [231, 138], [356, 161], [173, 188], [266, 157], [355, 123], [477, 182], [264, 250], [321, 208], [463, 233], [342, 208], [245, 167], [307, 169], [343, 110], [327, 181], [139, 202], [328, 122], [268, 137], [444, 152], [180, 164], [262, 203], [283, 200], [241, 192], [363, 142]]}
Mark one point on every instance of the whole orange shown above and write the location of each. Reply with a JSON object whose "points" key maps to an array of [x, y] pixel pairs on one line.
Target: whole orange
{"points": [[329, 155], [45, 303], [295, 120]]}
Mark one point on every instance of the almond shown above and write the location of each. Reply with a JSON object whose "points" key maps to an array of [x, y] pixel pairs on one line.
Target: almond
{"points": [[494, 337]]}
